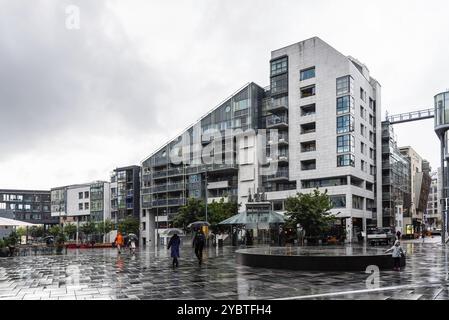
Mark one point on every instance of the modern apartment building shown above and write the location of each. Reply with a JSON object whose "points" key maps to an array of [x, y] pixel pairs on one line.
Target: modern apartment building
{"points": [[125, 193], [81, 202], [316, 126], [433, 212], [31, 206], [396, 188], [419, 185]]}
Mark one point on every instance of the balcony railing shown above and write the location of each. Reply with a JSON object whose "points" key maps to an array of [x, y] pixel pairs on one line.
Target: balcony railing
{"points": [[282, 139], [282, 174], [275, 121]]}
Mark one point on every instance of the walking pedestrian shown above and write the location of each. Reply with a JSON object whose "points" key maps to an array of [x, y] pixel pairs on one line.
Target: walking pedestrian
{"points": [[423, 236], [132, 245], [174, 244], [397, 253], [119, 242], [398, 235], [198, 243]]}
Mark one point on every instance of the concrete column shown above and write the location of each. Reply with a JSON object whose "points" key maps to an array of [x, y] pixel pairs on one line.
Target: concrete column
{"points": [[364, 228], [348, 230], [152, 232]]}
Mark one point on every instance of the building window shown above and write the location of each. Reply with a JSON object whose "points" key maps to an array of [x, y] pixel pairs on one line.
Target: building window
{"points": [[371, 120], [308, 128], [371, 136], [345, 105], [2, 206], [338, 201], [362, 148], [362, 95], [362, 130], [308, 91], [345, 144], [279, 66], [363, 165], [80, 206], [307, 74], [80, 195], [308, 146], [362, 113], [357, 202], [308, 110], [372, 170], [308, 165], [371, 153], [144, 226], [344, 85], [346, 160], [321, 183], [279, 84], [86, 194], [345, 124], [86, 206]]}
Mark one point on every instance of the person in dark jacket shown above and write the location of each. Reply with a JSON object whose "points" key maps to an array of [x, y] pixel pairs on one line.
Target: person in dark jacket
{"points": [[198, 243], [174, 244]]}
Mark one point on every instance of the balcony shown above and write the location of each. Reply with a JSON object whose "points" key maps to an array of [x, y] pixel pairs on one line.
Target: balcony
{"points": [[218, 185], [175, 172], [277, 122], [281, 175], [175, 187], [282, 140], [160, 174], [281, 158], [159, 188], [278, 104]]}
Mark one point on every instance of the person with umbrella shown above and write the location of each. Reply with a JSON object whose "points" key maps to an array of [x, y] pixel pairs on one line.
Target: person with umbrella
{"points": [[198, 243], [174, 244], [132, 243]]}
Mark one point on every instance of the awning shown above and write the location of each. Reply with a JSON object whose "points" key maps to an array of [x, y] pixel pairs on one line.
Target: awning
{"points": [[253, 218], [5, 222]]}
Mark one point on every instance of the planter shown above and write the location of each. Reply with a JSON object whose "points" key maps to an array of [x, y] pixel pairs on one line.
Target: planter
{"points": [[4, 252]]}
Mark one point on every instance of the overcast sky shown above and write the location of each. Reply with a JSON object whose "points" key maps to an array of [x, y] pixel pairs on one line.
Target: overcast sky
{"points": [[76, 103]]}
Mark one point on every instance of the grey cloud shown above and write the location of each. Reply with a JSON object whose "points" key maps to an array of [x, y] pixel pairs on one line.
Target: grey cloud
{"points": [[53, 79]]}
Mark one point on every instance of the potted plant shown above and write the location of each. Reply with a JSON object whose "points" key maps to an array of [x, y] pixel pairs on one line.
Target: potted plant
{"points": [[60, 240], [4, 250]]}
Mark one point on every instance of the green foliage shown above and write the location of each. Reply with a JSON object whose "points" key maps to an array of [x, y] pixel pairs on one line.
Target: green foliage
{"points": [[37, 231], [105, 227], [311, 211], [129, 225], [55, 230], [220, 211], [2, 244], [88, 228], [70, 230], [12, 239], [21, 232], [194, 210]]}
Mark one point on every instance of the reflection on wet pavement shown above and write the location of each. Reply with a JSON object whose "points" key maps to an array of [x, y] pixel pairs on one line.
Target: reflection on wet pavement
{"points": [[102, 274]]}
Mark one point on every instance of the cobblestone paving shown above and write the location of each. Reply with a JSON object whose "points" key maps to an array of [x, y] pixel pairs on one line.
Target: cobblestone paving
{"points": [[102, 274]]}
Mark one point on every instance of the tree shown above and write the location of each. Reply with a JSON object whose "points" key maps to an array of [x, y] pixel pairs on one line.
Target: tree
{"points": [[311, 211], [220, 211], [129, 225], [55, 230], [37, 231], [104, 227], [88, 228], [70, 230], [193, 211], [21, 232]]}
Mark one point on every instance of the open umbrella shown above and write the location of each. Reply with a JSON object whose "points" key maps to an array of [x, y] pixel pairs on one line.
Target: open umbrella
{"points": [[198, 224], [132, 236], [171, 231]]}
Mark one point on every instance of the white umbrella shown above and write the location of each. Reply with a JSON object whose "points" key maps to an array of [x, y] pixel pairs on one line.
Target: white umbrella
{"points": [[5, 222]]}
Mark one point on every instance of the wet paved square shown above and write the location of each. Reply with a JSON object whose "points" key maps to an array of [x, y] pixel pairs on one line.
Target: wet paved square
{"points": [[103, 274]]}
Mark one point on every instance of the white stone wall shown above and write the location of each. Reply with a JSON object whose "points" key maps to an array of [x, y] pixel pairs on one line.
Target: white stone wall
{"points": [[329, 65]]}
